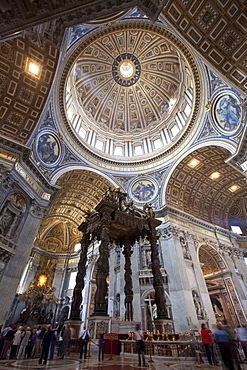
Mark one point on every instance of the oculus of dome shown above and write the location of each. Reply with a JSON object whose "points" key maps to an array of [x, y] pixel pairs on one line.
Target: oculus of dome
{"points": [[126, 69]]}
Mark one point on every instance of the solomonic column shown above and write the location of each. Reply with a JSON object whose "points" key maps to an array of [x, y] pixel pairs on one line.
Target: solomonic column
{"points": [[128, 288], [100, 301], [159, 295], [77, 293]]}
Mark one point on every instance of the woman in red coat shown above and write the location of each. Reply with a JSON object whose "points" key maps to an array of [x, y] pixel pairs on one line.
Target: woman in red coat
{"points": [[208, 343]]}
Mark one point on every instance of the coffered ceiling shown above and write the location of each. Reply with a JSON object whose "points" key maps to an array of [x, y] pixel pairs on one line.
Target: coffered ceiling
{"points": [[192, 191]]}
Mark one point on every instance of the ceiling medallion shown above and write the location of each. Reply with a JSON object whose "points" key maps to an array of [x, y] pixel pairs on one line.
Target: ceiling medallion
{"points": [[126, 69]]}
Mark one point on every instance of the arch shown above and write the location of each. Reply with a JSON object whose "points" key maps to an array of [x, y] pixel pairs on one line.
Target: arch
{"points": [[211, 260], [213, 142], [150, 309], [56, 175], [192, 190]]}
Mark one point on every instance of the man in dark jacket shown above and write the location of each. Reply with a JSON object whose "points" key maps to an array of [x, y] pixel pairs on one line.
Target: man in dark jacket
{"points": [[46, 341]]}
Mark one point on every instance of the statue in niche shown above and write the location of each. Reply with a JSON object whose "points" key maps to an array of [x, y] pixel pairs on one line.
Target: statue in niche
{"points": [[24, 315], [5, 223], [198, 305], [185, 247], [12, 214], [64, 314], [217, 311], [117, 307], [49, 317]]}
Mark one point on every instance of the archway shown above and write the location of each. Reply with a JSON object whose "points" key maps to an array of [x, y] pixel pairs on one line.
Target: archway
{"points": [[224, 298], [149, 311]]}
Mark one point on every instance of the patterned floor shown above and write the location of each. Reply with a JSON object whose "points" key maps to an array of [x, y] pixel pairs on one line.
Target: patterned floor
{"points": [[125, 362]]}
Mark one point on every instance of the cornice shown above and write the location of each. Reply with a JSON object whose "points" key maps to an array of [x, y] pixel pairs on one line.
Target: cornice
{"points": [[13, 19], [189, 219], [21, 153], [58, 256]]}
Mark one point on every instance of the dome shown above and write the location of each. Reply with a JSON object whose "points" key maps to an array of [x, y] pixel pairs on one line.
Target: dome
{"points": [[130, 91]]}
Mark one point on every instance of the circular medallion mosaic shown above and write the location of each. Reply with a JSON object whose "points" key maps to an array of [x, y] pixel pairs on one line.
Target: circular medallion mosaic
{"points": [[143, 190], [227, 112], [48, 148]]}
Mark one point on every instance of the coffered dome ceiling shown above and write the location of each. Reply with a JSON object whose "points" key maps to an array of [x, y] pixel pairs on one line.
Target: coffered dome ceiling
{"points": [[131, 91]]}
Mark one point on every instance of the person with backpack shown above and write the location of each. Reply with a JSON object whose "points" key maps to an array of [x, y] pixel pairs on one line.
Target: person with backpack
{"points": [[84, 338]]}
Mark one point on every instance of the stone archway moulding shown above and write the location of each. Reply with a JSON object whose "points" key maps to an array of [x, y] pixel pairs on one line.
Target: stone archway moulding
{"points": [[214, 142], [70, 168]]}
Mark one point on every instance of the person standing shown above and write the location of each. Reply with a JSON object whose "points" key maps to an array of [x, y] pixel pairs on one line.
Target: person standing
{"points": [[46, 341], [53, 344], [8, 339], [138, 335], [207, 341], [84, 338], [16, 342], [233, 344], [66, 340], [60, 341], [242, 337], [24, 343], [37, 348], [101, 345], [222, 338]]}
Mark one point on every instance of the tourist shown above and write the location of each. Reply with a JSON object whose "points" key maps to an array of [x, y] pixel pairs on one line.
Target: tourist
{"points": [[242, 337], [37, 348], [233, 344], [208, 343], [84, 339], [24, 342], [8, 339], [222, 338], [60, 342], [66, 340], [53, 344], [46, 341], [101, 345], [138, 335], [16, 342]]}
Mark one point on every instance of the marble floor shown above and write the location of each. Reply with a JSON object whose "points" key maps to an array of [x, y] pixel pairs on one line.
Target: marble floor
{"points": [[114, 362]]}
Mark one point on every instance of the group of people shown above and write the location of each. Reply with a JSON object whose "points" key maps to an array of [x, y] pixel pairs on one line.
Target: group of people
{"points": [[37, 342], [40, 342], [231, 344]]}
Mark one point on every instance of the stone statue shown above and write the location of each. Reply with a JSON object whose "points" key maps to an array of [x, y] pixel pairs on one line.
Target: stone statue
{"points": [[197, 304]]}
